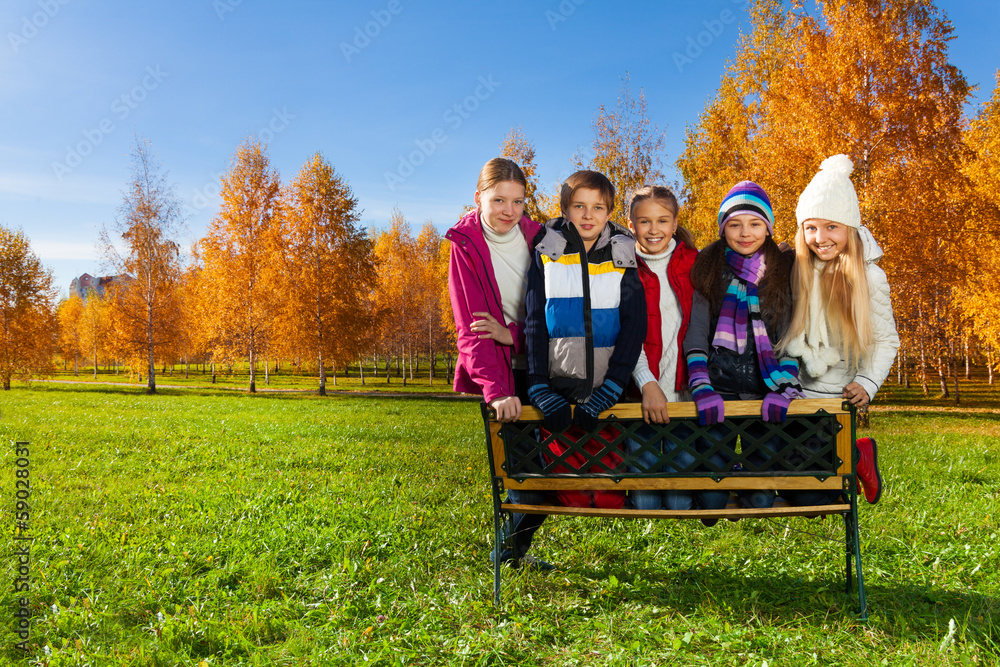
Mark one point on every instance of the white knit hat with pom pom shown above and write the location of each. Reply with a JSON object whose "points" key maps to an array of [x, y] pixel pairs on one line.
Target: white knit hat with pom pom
{"points": [[830, 195]]}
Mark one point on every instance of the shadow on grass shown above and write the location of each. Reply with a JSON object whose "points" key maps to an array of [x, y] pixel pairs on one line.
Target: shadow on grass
{"points": [[896, 609]]}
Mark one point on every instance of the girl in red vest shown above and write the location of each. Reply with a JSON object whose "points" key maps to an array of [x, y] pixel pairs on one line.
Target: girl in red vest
{"points": [[666, 252]]}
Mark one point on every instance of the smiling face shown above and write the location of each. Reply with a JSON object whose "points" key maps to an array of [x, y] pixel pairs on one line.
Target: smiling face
{"points": [[501, 207], [589, 213], [653, 225], [745, 233], [824, 238]]}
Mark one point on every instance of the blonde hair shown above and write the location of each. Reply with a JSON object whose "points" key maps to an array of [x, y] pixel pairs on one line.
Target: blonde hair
{"points": [[845, 297], [666, 198], [498, 170]]}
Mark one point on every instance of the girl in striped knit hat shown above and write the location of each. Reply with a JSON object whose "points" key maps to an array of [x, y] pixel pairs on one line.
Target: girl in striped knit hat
{"points": [[741, 309]]}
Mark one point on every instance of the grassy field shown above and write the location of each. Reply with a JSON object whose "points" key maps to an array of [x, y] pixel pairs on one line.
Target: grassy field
{"points": [[213, 527], [286, 379]]}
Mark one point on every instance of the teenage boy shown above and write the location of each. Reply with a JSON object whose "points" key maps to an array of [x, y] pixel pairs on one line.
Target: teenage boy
{"points": [[585, 325]]}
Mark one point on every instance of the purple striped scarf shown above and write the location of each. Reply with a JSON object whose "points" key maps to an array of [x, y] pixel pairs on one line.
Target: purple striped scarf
{"points": [[740, 307]]}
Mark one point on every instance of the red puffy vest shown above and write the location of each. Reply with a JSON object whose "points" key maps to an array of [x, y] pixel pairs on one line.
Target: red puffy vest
{"points": [[679, 277]]}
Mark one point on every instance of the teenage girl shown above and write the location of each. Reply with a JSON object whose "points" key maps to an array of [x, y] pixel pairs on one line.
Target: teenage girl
{"points": [[487, 280], [666, 252], [842, 327], [741, 308]]}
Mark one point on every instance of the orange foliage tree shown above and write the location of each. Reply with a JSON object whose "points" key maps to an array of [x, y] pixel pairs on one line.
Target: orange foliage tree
{"points": [[628, 148], [28, 323], [70, 314], [870, 79], [145, 307], [328, 273], [240, 261]]}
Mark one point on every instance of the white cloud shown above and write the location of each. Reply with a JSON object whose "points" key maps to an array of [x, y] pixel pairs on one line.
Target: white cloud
{"points": [[57, 250]]}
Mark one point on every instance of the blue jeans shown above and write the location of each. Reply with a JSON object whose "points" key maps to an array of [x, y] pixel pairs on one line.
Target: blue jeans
{"points": [[813, 444], [683, 461], [759, 450]]}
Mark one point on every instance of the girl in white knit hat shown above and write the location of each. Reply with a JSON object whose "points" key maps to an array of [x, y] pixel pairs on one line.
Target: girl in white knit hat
{"points": [[842, 326]]}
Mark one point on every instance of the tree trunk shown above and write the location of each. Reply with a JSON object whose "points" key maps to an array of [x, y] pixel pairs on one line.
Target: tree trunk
{"points": [[322, 376], [361, 370], [968, 362], [253, 370], [989, 364], [213, 372], [923, 367], [943, 377], [387, 370], [954, 368], [76, 365], [95, 362]]}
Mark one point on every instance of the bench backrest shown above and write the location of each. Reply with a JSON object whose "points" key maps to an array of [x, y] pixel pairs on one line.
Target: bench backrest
{"points": [[813, 451]]}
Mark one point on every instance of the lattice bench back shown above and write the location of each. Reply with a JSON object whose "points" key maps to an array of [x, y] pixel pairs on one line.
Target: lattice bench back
{"points": [[814, 451]]}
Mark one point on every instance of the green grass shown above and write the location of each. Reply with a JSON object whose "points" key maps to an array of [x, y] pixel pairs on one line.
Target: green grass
{"points": [[286, 379], [288, 529]]}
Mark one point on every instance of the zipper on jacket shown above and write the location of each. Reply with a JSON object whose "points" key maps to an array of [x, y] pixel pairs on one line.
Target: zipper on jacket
{"points": [[588, 326]]}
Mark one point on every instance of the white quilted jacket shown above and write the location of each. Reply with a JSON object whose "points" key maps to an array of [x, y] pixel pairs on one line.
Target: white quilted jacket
{"points": [[872, 373]]}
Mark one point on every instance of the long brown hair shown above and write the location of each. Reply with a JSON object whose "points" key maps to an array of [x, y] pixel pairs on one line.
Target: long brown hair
{"points": [[774, 291], [845, 297], [665, 197]]}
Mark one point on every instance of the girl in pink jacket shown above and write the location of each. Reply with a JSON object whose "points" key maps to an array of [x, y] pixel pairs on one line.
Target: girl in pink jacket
{"points": [[487, 281]]}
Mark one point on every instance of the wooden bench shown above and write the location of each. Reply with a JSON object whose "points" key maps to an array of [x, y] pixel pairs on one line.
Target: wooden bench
{"points": [[520, 458]]}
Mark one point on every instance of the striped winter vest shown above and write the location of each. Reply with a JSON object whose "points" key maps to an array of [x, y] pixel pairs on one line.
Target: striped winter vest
{"points": [[582, 299]]}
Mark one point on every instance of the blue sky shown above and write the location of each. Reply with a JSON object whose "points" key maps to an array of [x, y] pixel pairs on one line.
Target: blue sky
{"points": [[407, 99]]}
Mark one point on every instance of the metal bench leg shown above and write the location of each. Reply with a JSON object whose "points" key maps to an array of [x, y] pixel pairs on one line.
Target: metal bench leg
{"points": [[497, 548], [853, 542], [862, 601]]}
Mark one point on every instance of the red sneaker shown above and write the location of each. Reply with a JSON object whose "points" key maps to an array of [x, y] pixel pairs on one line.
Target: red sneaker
{"points": [[868, 473]]}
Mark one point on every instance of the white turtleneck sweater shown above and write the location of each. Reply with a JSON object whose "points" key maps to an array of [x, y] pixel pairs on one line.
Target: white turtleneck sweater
{"points": [[511, 259], [670, 324]]}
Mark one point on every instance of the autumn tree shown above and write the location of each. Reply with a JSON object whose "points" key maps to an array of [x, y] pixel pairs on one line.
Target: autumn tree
{"points": [[70, 314], [446, 316], [979, 294], [328, 272], [870, 79], [240, 260], [396, 290], [141, 244], [28, 323], [628, 147], [431, 280], [94, 327], [522, 151]]}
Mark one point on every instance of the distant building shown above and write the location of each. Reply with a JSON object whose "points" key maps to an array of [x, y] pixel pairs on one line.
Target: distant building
{"points": [[82, 285]]}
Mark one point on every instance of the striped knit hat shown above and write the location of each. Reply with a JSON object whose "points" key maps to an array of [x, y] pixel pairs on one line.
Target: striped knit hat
{"points": [[746, 197]]}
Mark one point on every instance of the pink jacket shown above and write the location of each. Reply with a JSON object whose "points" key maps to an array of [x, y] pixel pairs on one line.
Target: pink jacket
{"points": [[483, 365]]}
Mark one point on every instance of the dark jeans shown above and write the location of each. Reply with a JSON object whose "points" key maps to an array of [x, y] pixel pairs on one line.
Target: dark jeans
{"points": [[522, 527], [683, 461], [812, 444]]}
